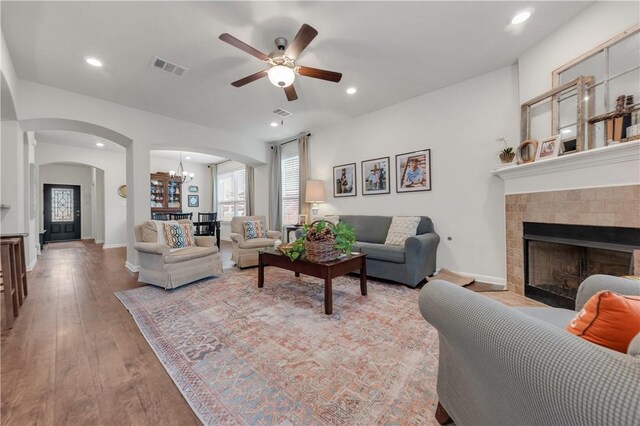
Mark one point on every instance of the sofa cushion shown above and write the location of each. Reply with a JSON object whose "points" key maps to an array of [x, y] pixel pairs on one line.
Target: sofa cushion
{"points": [[384, 252], [608, 319], [189, 253], [370, 229], [256, 243], [555, 316], [254, 229], [401, 228]]}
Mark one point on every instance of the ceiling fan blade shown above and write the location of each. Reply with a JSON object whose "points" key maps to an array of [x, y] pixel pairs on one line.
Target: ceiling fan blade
{"points": [[290, 91], [318, 73], [228, 38], [248, 79], [301, 41]]}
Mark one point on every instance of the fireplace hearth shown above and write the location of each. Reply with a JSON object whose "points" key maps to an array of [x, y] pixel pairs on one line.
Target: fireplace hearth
{"points": [[558, 257]]}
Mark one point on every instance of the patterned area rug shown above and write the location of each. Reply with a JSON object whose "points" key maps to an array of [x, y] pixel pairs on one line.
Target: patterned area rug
{"points": [[270, 356]]}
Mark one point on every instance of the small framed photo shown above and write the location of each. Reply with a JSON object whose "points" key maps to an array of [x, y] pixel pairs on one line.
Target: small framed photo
{"points": [[548, 148], [344, 180], [302, 219], [413, 171], [193, 188], [193, 201], [375, 176]]}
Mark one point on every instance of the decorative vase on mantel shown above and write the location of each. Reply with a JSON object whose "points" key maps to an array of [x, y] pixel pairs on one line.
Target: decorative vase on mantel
{"points": [[507, 157]]}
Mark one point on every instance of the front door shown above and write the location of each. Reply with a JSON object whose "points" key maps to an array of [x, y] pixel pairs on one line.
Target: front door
{"points": [[62, 212]]}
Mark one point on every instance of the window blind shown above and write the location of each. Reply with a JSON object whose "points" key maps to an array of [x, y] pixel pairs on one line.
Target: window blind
{"points": [[231, 194], [290, 188]]}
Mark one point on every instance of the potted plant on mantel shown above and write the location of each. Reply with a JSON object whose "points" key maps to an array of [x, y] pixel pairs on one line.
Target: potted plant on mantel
{"points": [[507, 153], [322, 241]]}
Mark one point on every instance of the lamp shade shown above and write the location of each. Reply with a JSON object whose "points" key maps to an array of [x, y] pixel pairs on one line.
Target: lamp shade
{"points": [[281, 76], [315, 191]]}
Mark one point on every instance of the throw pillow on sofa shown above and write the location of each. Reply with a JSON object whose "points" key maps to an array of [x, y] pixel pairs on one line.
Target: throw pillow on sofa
{"points": [[254, 229], [401, 228], [178, 235], [608, 319]]}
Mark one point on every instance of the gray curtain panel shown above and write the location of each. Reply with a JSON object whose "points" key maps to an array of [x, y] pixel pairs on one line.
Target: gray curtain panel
{"points": [[275, 191], [214, 187], [250, 196], [303, 158]]}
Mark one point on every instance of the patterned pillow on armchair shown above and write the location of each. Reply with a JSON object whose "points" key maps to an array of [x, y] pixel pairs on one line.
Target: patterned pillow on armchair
{"points": [[254, 229], [178, 235]]}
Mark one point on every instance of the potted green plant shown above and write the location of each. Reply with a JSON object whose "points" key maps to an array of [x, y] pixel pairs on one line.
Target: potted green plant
{"points": [[507, 153], [322, 241]]}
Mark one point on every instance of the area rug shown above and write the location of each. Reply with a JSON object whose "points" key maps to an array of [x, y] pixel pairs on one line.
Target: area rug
{"points": [[65, 245], [270, 356]]}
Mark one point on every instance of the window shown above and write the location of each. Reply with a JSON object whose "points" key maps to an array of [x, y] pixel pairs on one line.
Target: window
{"points": [[290, 188], [231, 194]]}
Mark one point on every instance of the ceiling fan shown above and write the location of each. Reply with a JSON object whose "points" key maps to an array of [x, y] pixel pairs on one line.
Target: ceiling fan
{"points": [[282, 68]]}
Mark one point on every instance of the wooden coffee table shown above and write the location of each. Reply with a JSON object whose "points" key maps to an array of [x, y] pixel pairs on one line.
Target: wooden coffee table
{"points": [[328, 271]]}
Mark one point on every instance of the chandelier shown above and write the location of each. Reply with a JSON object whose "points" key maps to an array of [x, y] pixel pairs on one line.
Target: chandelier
{"points": [[181, 176]]}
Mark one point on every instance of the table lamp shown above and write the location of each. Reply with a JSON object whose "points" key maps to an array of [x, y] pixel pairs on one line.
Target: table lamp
{"points": [[315, 195]]}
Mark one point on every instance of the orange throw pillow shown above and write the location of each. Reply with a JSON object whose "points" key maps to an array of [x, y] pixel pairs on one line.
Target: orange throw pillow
{"points": [[608, 319]]}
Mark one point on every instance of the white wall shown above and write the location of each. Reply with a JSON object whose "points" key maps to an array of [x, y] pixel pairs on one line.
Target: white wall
{"points": [[114, 167], [67, 174], [202, 180], [459, 124], [594, 26]]}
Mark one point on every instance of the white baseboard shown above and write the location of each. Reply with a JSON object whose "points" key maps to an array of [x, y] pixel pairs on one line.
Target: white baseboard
{"points": [[32, 264], [99, 241], [110, 246], [130, 266], [86, 238], [484, 278]]}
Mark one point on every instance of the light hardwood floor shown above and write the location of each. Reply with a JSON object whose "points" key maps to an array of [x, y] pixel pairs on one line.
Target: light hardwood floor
{"points": [[75, 355]]}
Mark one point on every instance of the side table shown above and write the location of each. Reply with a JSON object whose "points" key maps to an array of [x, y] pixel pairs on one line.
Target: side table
{"points": [[291, 228]]}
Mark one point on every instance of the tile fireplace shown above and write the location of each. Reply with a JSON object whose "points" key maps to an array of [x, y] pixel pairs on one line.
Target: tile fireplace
{"points": [[558, 257], [614, 206]]}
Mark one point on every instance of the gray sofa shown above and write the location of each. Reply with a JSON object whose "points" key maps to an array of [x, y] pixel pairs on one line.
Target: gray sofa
{"points": [[519, 366], [408, 264]]}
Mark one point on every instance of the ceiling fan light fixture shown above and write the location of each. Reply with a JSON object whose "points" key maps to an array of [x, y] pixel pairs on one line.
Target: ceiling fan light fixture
{"points": [[281, 76]]}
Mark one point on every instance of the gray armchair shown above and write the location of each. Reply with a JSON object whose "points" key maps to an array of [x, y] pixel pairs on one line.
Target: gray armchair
{"points": [[519, 366], [245, 252]]}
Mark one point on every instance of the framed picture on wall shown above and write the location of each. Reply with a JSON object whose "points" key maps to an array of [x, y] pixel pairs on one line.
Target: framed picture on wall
{"points": [[344, 180], [193, 188], [375, 176], [193, 201], [413, 171]]}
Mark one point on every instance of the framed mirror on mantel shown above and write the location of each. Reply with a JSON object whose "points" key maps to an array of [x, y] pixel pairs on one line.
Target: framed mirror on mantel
{"points": [[611, 70], [584, 94]]}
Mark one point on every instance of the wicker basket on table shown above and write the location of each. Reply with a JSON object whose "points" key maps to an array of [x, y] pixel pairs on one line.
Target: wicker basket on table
{"points": [[322, 246]]}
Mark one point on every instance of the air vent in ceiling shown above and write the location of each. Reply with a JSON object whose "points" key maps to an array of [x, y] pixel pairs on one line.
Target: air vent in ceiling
{"points": [[164, 65], [281, 112]]}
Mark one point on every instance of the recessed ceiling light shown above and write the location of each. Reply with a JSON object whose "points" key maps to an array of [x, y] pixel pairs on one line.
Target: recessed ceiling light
{"points": [[520, 17], [274, 124], [351, 90], [100, 144], [187, 158], [94, 62]]}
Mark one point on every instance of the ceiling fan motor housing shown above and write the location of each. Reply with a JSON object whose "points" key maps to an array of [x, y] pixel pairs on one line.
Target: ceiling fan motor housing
{"points": [[281, 43]]}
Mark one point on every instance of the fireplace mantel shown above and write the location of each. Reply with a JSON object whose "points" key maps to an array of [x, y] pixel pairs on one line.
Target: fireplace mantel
{"points": [[607, 166]]}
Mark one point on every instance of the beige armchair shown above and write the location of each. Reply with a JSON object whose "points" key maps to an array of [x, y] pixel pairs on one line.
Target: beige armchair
{"points": [[169, 269], [245, 252]]}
